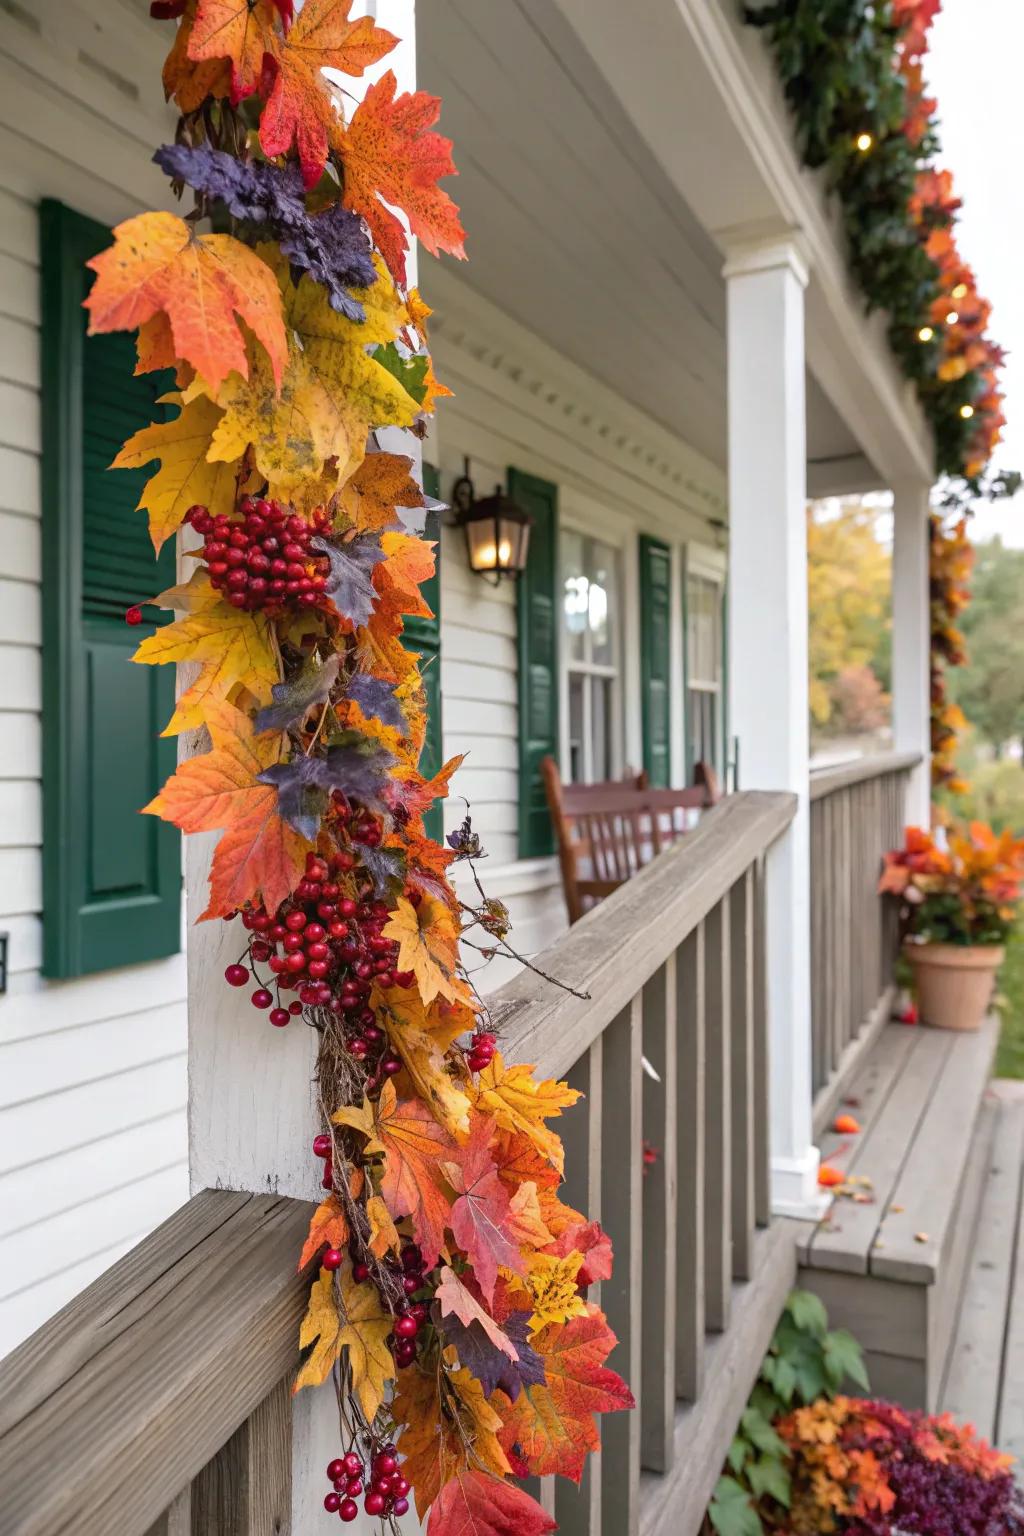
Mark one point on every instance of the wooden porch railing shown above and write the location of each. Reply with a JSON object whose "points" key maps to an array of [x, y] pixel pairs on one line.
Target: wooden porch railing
{"points": [[858, 811], [156, 1403]]}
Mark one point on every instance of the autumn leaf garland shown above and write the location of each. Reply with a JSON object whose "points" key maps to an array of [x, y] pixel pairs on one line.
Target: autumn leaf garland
{"points": [[450, 1305]]}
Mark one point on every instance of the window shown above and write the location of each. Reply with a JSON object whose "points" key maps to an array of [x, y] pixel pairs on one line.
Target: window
{"points": [[704, 648], [591, 623]]}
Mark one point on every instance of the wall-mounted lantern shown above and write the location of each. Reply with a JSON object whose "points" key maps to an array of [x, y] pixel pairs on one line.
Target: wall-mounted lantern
{"points": [[497, 530]]}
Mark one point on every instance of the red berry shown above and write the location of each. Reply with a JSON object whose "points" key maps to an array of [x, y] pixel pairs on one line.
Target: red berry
{"points": [[360, 1272], [400, 1507], [335, 1469], [295, 920], [354, 1487], [322, 1145], [332, 1259], [387, 1461], [133, 615], [406, 1328], [236, 975], [295, 1008], [332, 1503], [279, 1017], [375, 1504], [349, 1511], [400, 1487], [353, 1464], [261, 998]]}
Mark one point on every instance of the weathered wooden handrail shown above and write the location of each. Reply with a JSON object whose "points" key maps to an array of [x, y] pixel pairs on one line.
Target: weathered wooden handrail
{"points": [[123, 1398], [858, 811]]}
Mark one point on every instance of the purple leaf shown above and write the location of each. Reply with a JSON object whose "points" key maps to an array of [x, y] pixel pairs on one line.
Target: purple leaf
{"points": [[352, 564], [294, 699], [484, 1360], [376, 699], [359, 768], [386, 868], [331, 246]]}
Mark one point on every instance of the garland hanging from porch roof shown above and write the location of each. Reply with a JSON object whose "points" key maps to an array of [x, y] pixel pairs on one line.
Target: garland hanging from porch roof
{"points": [[450, 1299], [853, 76]]}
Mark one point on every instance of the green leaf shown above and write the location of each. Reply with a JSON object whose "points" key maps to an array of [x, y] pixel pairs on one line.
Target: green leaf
{"points": [[731, 1511], [739, 1450], [765, 1400], [768, 1475], [785, 1381], [411, 372], [760, 1433], [808, 1313], [844, 1357]]}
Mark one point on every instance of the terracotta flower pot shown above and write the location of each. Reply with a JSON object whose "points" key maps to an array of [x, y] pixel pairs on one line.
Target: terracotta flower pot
{"points": [[954, 983]]}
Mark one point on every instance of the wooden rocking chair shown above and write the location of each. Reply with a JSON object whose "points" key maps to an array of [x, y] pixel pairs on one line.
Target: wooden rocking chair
{"points": [[607, 832]]}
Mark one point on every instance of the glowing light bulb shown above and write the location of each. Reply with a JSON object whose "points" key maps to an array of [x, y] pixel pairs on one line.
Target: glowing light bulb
{"points": [[925, 333], [864, 142], [967, 411], [952, 317], [960, 291]]}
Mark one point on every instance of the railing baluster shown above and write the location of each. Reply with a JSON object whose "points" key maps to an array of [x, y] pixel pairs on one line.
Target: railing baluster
{"points": [[578, 1510], [246, 1490], [658, 1316], [690, 1112], [176, 1521], [717, 1122], [762, 1125], [741, 1071], [622, 1217], [819, 902]]}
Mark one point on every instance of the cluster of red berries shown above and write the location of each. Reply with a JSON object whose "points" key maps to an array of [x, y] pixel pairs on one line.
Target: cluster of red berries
{"points": [[481, 1050], [263, 557], [388, 1491], [329, 946]]}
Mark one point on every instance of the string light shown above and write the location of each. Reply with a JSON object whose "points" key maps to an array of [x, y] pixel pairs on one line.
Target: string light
{"points": [[967, 411], [925, 333], [952, 317], [864, 142]]}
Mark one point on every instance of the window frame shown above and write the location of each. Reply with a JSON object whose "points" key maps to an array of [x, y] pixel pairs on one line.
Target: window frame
{"points": [[573, 525], [707, 565]]}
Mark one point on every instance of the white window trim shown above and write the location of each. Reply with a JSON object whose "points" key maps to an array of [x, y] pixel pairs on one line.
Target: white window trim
{"points": [[618, 533], [711, 565]]}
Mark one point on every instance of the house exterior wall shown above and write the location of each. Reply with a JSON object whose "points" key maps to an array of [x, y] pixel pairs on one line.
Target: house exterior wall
{"points": [[92, 1070]]}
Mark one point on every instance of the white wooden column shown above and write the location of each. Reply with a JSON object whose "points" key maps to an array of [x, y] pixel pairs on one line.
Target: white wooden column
{"points": [[911, 641], [768, 660]]}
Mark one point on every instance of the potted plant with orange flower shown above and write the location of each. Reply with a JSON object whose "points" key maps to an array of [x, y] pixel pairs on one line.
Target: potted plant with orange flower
{"points": [[958, 902]]}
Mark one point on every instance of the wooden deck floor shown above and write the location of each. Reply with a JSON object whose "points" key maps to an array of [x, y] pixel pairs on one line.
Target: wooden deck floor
{"points": [[985, 1377]]}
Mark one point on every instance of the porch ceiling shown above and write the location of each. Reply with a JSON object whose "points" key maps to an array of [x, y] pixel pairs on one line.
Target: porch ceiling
{"points": [[577, 232]]}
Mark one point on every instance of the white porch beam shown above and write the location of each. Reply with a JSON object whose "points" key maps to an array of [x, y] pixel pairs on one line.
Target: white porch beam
{"points": [[768, 661], [911, 641]]}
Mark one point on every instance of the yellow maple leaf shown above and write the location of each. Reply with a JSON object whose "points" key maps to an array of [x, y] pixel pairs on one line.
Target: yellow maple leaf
{"points": [[551, 1282], [428, 946], [321, 1326], [359, 1325], [434, 1444], [185, 475], [333, 390], [232, 647], [384, 1236], [421, 1036], [520, 1103]]}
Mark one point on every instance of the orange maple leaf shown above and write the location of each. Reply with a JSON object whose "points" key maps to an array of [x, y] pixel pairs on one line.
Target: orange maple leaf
{"points": [[158, 263], [550, 1428], [258, 853], [520, 1103], [389, 152], [474, 1504], [189, 81], [241, 31], [300, 108], [413, 1144], [382, 482], [328, 1228]]}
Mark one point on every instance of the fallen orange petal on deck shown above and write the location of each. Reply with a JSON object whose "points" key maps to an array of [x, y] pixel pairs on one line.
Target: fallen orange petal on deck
{"points": [[846, 1125], [829, 1177]]}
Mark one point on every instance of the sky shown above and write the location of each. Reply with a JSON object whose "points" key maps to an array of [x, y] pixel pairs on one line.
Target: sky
{"points": [[975, 71]]}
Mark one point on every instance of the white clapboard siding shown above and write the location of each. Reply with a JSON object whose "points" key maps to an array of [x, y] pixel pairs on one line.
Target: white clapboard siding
{"points": [[93, 1147]]}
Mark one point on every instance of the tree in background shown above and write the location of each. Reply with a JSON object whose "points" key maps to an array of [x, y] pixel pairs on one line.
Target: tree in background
{"points": [[989, 688], [849, 567]]}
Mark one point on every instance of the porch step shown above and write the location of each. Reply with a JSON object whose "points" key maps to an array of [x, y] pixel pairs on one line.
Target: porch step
{"points": [[889, 1264]]}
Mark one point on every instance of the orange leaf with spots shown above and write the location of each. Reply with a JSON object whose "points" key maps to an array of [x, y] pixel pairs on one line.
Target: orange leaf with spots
{"points": [[408, 562], [158, 264], [473, 1504], [382, 482], [240, 31], [258, 853], [428, 946], [413, 1144], [327, 1229], [391, 155], [300, 109], [190, 81], [550, 1428]]}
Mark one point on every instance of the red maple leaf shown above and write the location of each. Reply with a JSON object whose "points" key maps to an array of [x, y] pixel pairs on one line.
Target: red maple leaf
{"points": [[479, 1215], [474, 1504]]}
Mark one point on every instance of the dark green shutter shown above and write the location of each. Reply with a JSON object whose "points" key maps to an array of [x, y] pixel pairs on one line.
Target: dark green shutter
{"points": [[111, 878], [424, 636], [538, 659], [656, 657]]}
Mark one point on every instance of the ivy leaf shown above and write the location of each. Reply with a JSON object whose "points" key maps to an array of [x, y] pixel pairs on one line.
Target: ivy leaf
{"points": [[479, 1215], [293, 700], [760, 1433], [331, 246], [158, 263], [300, 109], [391, 155], [259, 854], [473, 1504], [844, 1357], [731, 1511], [739, 1450], [185, 476], [779, 1372], [350, 583], [768, 1475], [808, 1312], [376, 698]]}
